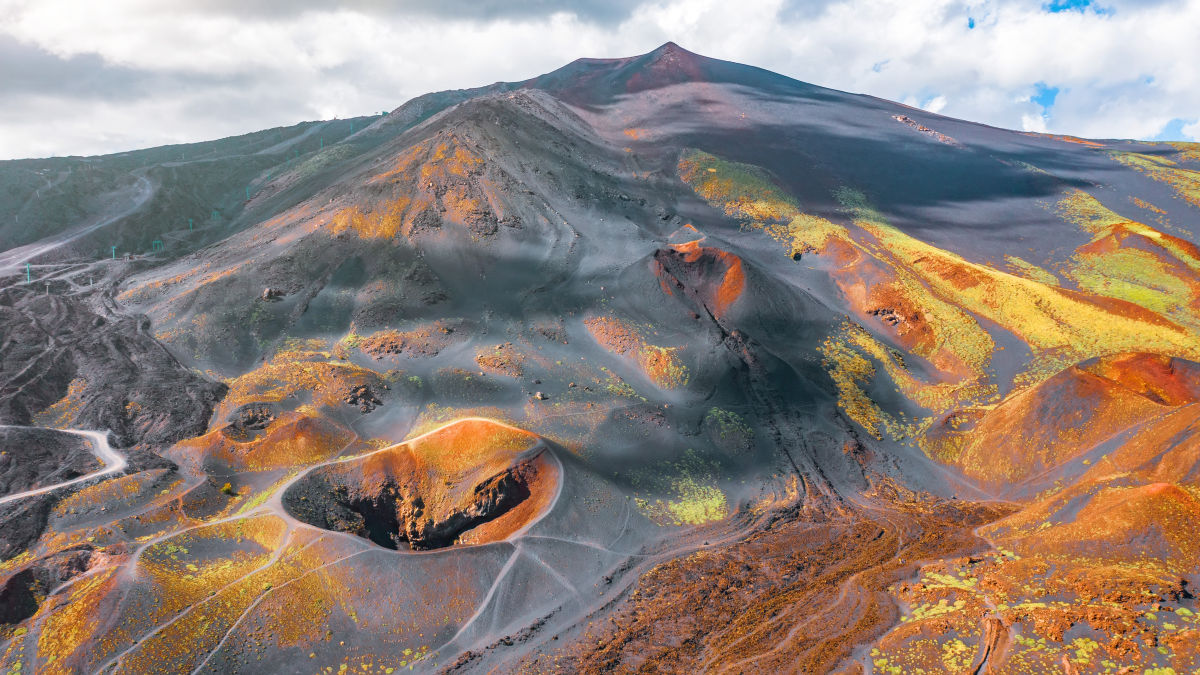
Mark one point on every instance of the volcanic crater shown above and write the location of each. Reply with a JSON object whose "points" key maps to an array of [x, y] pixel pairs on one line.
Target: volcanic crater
{"points": [[472, 481]]}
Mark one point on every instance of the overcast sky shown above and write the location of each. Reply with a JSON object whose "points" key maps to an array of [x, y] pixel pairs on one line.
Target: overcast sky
{"points": [[97, 76]]}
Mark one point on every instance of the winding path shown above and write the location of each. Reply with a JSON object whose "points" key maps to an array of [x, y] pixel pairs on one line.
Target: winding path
{"points": [[112, 460], [134, 196]]}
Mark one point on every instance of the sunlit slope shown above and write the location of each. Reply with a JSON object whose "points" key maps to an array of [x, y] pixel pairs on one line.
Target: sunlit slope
{"points": [[660, 364], [910, 299]]}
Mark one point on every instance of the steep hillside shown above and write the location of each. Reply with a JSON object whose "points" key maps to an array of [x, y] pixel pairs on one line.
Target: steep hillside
{"points": [[662, 363]]}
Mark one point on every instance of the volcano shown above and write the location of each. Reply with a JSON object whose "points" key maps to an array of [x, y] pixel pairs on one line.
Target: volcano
{"points": [[655, 364]]}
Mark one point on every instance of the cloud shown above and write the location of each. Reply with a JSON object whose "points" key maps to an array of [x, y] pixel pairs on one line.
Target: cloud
{"points": [[1033, 123], [935, 104], [104, 77], [602, 11], [29, 70]]}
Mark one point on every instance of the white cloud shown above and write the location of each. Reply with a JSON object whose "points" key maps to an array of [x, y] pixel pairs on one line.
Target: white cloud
{"points": [[936, 104], [1192, 131], [1033, 123], [1121, 74]]}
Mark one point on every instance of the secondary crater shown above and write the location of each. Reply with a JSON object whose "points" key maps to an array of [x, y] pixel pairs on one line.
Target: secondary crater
{"points": [[470, 482]]}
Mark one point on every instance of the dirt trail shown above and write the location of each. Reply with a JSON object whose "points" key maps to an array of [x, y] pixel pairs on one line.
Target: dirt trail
{"points": [[113, 463], [135, 197], [284, 145]]}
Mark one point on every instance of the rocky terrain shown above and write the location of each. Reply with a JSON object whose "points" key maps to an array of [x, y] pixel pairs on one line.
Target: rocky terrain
{"points": [[33, 458], [656, 364]]}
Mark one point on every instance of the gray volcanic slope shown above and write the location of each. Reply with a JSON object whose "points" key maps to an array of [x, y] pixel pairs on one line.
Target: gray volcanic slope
{"points": [[660, 363]]}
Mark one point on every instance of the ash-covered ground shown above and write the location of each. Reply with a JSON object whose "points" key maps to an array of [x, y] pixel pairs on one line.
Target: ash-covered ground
{"points": [[660, 364]]}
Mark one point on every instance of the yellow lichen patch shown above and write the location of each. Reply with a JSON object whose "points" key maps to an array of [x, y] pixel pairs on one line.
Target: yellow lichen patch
{"points": [[298, 373], [1185, 151], [874, 281], [851, 373], [847, 357], [1026, 269], [1141, 277], [451, 157], [748, 193], [1023, 611], [401, 167], [182, 644], [1185, 182], [806, 234], [71, 626], [743, 191], [935, 396], [697, 503], [1046, 318], [694, 504], [1134, 262], [383, 221], [378, 665], [112, 491], [15, 561], [661, 364], [694, 498], [1086, 211], [1143, 204], [65, 409], [185, 577]]}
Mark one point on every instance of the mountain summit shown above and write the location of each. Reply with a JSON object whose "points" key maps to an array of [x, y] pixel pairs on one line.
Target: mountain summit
{"points": [[602, 81], [662, 364]]}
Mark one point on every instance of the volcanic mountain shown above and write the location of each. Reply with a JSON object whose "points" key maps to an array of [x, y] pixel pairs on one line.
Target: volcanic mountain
{"points": [[660, 364]]}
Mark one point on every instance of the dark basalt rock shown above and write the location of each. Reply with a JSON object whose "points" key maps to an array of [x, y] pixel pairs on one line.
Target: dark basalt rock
{"points": [[20, 591], [125, 381], [23, 521], [248, 421], [364, 398], [33, 457], [394, 514]]}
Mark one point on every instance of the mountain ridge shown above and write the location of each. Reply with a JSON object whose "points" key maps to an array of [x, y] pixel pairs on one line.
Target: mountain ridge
{"points": [[660, 363]]}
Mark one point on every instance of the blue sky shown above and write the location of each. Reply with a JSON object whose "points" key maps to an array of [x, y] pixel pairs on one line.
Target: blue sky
{"points": [[1068, 5], [82, 77]]}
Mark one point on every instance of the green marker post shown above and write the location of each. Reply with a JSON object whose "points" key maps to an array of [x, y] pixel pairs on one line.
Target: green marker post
{"points": [[114, 252], [28, 278], [189, 224]]}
